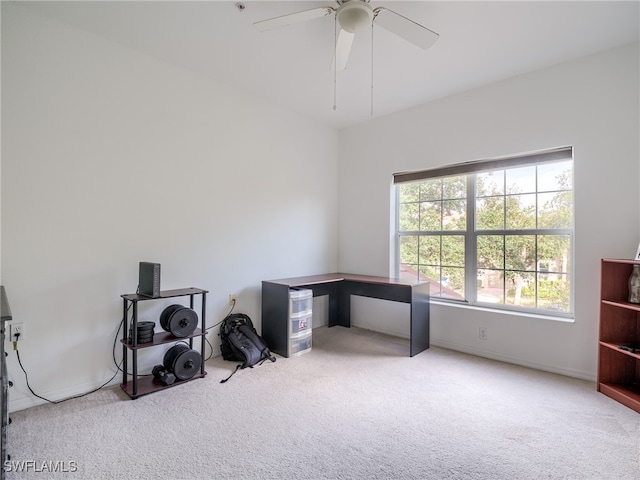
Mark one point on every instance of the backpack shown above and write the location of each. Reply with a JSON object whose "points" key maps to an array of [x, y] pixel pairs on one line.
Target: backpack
{"points": [[241, 343]]}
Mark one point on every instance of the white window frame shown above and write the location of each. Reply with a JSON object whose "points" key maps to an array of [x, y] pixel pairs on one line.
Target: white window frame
{"points": [[471, 234]]}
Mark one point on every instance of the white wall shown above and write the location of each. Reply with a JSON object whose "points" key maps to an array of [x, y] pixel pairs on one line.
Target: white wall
{"points": [[110, 157], [591, 104]]}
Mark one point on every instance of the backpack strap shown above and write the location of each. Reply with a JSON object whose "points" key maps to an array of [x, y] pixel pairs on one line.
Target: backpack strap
{"points": [[232, 373]]}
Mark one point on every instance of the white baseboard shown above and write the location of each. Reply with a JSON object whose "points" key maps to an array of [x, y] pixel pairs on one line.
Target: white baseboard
{"points": [[479, 352], [568, 372], [23, 400], [381, 329]]}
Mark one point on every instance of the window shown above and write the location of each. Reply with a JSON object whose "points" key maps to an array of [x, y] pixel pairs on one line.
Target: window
{"points": [[494, 233]]}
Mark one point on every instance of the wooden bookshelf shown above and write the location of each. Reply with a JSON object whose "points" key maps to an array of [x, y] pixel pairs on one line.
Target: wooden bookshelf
{"points": [[618, 369]]}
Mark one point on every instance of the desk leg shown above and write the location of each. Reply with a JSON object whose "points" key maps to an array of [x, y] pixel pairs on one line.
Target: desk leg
{"points": [[331, 290], [344, 306], [334, 313], [419, 318]]}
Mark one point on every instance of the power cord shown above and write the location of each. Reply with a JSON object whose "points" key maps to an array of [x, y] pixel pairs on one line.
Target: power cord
{"points": [[26, 377], [233, 305], [115, 341], [113, 352]]}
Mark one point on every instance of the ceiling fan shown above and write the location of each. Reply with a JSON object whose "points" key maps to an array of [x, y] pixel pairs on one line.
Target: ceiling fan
{"points": [[352, 16]]}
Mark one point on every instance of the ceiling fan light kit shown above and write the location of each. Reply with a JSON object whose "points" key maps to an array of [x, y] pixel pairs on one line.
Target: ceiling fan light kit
{"points": [[354, 16]]}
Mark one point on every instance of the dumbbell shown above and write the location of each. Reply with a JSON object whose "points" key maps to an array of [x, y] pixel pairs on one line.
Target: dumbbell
{"points": [[159, 372]]}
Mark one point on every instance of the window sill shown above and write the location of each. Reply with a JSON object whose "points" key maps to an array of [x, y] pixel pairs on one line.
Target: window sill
{"points": [[512, 313]]}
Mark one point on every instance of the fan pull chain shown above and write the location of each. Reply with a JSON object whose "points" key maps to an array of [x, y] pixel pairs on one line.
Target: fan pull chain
{"points": [[335, 60], [372, 68]]}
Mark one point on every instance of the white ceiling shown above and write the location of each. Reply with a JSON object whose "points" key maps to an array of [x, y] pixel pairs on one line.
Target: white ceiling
{"points": [[480, 42]]}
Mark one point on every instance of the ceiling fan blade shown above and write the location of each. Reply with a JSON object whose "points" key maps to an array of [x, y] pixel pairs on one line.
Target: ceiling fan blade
{"points": [[343, 49], [293, 18], [403, 27]]}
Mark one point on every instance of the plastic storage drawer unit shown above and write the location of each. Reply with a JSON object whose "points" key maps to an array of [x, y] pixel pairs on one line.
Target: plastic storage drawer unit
{"points": [[300, 321]]}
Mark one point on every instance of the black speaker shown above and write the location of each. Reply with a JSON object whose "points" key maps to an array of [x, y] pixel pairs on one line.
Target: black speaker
{"points": [[149, 279]]}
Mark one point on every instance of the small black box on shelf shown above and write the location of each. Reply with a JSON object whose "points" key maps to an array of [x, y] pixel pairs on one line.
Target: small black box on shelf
{"points": [[149, 279]]}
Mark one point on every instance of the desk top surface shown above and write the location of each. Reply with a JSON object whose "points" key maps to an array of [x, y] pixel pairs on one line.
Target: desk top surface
{"points": [[337, 277]]}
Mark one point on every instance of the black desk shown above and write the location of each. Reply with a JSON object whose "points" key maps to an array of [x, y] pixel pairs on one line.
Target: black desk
{"points": [[340, 287]]}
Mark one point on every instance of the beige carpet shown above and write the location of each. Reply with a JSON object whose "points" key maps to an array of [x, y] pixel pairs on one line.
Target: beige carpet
{"points": [[355, 407]]}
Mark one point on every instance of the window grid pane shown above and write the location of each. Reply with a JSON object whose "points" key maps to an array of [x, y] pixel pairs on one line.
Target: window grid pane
{"points": [[520, 229]]}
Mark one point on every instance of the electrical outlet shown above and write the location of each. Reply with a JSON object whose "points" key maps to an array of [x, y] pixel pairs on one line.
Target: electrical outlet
{"points": [[232, 299], [482, 334], [17, 329]]}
